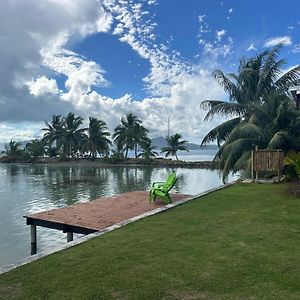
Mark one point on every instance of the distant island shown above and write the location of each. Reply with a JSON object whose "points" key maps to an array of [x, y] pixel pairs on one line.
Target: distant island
{"points": [[159, 142]]}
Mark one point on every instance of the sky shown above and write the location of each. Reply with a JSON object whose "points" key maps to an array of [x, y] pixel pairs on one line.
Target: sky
{"points": [[108, 58]]}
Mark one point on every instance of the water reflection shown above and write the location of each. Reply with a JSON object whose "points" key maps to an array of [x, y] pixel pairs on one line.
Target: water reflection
{"points": [[26, 189]]}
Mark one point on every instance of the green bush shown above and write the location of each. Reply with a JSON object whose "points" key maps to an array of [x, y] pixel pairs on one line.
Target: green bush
{"points": [[292, 165]]}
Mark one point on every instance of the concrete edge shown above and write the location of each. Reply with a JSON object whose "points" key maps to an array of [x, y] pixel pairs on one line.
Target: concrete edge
{"points": [[7, 268]]}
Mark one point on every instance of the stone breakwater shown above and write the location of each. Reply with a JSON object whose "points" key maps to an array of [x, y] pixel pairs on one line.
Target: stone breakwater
{"points": [[106, 162]]}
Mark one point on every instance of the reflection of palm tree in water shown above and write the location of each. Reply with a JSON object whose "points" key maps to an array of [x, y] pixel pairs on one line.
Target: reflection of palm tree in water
{"points": [[69, 185], [131, 179]]}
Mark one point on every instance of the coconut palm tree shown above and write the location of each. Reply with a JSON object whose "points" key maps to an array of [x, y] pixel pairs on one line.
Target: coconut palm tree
{"points": [[258, 102], [129, 134], [96, 141], [276, 125], [257, 78], [53, 131], [72, 135], [174, 144], [148, 150]]}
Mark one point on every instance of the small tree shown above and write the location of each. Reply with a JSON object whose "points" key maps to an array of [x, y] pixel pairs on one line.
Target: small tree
{"points": [[35, 149], [174, 144], [148, 150], [13, 149]]}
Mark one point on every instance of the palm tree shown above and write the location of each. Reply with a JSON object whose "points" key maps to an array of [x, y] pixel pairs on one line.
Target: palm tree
{"points": [[54, 131], [72, 135], [258, 102], [174, 144], [96, 140], [129, 134], [257, 78], [275, 126], [13, 149], [148, 150]]}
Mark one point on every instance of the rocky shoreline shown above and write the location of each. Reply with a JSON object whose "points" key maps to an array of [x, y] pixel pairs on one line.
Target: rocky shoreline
{"points": [[130, 162]]}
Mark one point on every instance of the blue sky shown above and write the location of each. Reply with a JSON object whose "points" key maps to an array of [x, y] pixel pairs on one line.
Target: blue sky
{"points": [[107, 58]]}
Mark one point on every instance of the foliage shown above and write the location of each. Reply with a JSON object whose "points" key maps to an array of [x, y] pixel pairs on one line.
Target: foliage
{"points": [[130, 134], [292, 160], [96, 140], [13, 149], [263, 113], [173, 145], [148, 150], [35, 148]]}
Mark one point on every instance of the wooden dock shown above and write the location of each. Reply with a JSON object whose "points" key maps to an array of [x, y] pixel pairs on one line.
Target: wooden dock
{"points": [[92, 216]]}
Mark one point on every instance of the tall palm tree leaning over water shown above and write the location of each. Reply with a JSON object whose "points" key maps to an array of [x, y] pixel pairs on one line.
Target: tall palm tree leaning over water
{"points": [[173, 145], [130, 134], [262, 110]]}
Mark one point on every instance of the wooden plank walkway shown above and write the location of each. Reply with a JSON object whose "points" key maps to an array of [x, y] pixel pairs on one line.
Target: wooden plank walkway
{"points": [[92, 216]]}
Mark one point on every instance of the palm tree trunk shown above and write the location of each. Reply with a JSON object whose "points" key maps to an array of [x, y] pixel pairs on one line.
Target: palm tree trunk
{"points": [[176, 156], [135, 150], [126, 152]]}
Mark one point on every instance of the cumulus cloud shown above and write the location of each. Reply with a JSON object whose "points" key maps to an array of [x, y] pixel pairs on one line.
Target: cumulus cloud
{"points": [[273, 41], [36, 26], [43, 85], [35, 50]]}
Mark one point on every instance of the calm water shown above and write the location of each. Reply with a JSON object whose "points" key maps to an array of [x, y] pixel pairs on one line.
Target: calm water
{"points": [[26, 189]]}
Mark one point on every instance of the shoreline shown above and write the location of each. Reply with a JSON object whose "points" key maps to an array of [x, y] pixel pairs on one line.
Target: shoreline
{"points": [[130, 162]]}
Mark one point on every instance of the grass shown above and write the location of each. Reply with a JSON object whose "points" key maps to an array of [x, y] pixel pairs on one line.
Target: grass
{"points": [[238, 243]]}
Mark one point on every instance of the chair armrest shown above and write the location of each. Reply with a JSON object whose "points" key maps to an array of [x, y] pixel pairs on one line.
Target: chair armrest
{"points": [[157, 184]]}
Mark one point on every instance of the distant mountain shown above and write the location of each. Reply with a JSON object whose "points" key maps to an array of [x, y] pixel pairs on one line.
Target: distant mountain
{"points": [[159, 142]]}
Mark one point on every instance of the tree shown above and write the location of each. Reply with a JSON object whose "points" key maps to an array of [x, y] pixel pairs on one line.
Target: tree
{"points": [[54, 132], [129, 134], [263, 113], [35, 148], [174, 145], [13, 149], [72, 135], [275, 126], [256, 79], [148, 151], [96, 140]]}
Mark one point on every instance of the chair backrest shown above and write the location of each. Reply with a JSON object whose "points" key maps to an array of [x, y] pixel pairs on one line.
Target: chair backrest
{"points": [[170, 178], [171, 181]]}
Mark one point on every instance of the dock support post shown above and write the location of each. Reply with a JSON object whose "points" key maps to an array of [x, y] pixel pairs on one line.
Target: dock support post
{"points": [[33, 239], [69, 236]]}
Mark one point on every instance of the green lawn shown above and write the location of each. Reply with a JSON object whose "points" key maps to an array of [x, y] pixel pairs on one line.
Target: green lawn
{"points": [[238, 243]]}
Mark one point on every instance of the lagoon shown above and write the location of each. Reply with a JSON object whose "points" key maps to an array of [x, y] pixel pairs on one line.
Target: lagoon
{"points": [[27, 189]]}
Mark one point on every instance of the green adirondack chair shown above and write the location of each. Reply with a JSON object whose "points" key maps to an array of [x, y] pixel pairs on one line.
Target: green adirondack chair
{"points": [[162, 189]]}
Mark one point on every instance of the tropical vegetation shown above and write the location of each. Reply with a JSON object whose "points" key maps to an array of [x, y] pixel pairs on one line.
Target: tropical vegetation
{"points": [[66, 138], [174, 144], [130, 134], [261, 108]]}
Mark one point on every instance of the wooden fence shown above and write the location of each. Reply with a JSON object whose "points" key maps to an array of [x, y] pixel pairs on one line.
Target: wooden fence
{"points": [[266, 160]]}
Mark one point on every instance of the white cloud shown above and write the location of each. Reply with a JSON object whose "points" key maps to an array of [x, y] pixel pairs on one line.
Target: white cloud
{"points": [[230, 11], [251, 48], [176, 87], [43, 85], [38, 25], [220, 34], [273, 41], [296, 48]]}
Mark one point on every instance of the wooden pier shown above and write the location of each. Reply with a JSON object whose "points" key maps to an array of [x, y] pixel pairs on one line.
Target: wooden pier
{"points": [[89, 217]]}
